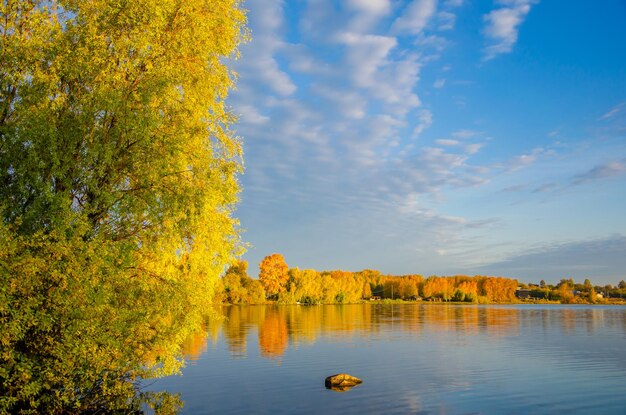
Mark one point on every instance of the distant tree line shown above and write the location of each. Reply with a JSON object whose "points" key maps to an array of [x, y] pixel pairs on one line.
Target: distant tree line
{"points": [[567, 291], [279, 283]]}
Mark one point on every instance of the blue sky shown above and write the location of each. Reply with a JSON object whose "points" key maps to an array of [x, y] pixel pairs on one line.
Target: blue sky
{"points": [[436, 137]]}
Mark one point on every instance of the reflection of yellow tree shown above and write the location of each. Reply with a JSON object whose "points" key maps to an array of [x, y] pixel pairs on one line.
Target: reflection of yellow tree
{"points": [[236, 329], [500, 321], [568, 320], [273, 337], [278, 326], [308, 322], [195, 345]]}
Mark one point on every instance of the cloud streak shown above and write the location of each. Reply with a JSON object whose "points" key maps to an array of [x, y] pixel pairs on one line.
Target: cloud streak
{"points": [[415, 17], [613, 112], [502, 26], [603, 171]]}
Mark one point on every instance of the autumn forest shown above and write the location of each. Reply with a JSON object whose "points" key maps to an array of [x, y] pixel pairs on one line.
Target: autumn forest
{"points": [[280, 284]]}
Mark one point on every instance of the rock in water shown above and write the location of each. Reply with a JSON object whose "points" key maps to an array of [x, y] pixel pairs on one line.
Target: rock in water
{"points": [[341, 382]]}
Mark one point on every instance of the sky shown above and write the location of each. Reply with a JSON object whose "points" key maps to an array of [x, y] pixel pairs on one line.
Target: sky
{"points": [[435, 137]]}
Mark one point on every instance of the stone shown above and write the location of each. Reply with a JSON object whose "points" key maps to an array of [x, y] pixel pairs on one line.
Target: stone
{"points": [[341, 382]]}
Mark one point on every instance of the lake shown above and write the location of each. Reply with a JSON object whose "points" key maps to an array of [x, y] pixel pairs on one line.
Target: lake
{"points": [[413, 358]]}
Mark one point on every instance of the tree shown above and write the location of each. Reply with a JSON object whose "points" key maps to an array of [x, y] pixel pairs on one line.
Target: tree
{"points": [[256, 293], [274, 274], [305, 285], [542, 284], [234, 289], [622, 284], [236, 286], [469, 290], [439, 287], [118, 179], [239, 268], [592, 296], [498, 289], [564, 291], [367, 291]]}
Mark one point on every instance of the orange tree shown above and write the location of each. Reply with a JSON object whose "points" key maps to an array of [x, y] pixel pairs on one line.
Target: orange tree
{"points": [[274, 274]]}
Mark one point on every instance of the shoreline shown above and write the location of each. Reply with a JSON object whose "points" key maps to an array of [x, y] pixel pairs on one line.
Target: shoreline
{"points": [[435, 303]]}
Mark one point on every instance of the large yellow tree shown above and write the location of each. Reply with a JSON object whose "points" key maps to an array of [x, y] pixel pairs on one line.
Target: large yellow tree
{"points": [[118, 179]]}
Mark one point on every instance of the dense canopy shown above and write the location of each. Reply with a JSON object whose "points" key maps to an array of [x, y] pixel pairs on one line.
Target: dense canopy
{"points": [[118, 179]]}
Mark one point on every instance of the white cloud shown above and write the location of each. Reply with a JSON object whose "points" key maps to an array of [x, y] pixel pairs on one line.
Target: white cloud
{"points": [[432, 42], [260, 62], [465, 134], [300, 59], [277, 80], [446, 20], [502, 26], [612, 112], [415, 17], [349, 103], [369, 65], [250, 115], [524, 160], [425, 119], [447, 142], [373, 7], [439, 83], [453, 3], [473, 148], [368, 13], [365, 55], [602, 171]]}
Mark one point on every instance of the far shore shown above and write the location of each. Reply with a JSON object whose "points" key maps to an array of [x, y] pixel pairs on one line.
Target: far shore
{"points": [[611, 302]]}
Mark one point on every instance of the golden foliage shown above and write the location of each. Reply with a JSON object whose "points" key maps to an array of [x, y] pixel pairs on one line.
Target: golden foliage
{"points": [[274, 274], [118, 179]]}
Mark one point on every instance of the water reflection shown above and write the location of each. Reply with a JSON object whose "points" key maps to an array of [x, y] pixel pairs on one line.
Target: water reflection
{"points": [[278, 327], [273, 335], [413, 358]]}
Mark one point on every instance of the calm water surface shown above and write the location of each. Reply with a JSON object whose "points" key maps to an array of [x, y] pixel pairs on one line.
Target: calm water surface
{"points": [[413, 358]]}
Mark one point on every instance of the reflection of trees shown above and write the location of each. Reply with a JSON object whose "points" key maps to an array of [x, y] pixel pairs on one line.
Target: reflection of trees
{"points": [[195, 345], [568, 320], [273, 336], [236, 329], [280, 325]]}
